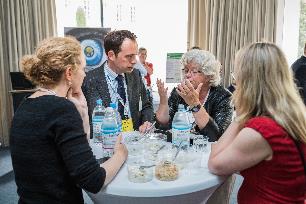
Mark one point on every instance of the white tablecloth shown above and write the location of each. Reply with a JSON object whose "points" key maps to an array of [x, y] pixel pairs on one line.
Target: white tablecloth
{"points": [[193, 187]]}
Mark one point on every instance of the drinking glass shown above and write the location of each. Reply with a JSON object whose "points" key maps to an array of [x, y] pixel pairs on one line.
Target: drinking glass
{"points": [[200, 143]]}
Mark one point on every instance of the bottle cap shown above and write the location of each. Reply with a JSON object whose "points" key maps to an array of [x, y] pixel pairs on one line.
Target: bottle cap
{"points": [[99, 101], [113, 105], [181, 107]]}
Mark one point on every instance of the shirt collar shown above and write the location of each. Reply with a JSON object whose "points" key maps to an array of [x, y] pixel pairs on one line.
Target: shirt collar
{"points": [[112, 75]]}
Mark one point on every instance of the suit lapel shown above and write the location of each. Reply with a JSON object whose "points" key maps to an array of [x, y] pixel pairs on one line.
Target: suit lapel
{"points": [[133, 103], [102, 87], [129, 84]]}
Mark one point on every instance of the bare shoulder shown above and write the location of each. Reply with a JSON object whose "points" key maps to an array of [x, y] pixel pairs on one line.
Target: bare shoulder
{"points": [[251, 141], [246, 150]]}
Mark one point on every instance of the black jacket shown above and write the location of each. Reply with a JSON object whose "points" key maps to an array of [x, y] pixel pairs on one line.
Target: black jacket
{"points": [[299, 69], [218, 106], [95, 87]]}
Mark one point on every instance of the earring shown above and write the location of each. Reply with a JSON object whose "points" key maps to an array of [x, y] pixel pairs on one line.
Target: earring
{"points": [[69, 83]]}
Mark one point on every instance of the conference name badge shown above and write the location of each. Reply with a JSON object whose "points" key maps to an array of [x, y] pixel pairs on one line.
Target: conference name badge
{"points": [[127, 125]]}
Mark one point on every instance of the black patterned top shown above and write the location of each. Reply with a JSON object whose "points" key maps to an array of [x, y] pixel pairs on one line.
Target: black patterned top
{"points": [[218, 106]]}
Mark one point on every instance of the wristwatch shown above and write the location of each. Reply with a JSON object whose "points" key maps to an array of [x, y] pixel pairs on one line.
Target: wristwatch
{"points": [[196, 108]]}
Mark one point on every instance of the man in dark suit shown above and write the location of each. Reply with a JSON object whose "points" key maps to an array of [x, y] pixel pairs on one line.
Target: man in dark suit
{"points": [[117, 81], [299, 69]]}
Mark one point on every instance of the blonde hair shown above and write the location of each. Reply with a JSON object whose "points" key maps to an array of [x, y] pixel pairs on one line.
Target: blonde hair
{"points": [[207, 64], [51, 58], [265, 87]]}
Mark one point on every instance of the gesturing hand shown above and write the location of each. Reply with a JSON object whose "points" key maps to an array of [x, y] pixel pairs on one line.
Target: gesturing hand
{"points": [[162, 91], [188, 93]]}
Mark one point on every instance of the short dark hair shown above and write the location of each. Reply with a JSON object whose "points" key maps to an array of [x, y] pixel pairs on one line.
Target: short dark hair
{"points": [[113, 40], [195, 48], [141, 49]]}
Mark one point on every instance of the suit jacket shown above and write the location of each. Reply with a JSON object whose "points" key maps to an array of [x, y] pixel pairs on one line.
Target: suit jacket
{"points": [[95, 87], [299, 69]]}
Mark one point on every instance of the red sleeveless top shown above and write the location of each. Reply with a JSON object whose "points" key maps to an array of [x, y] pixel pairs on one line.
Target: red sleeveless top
{"points": [[279, 180]]}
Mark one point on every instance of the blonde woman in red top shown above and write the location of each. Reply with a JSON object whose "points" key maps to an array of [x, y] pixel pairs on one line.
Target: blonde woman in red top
{"points": [[266, 141]]}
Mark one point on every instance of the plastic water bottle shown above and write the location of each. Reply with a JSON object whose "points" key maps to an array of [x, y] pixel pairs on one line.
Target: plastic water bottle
{"points": [[181, 127], [109, 132], [118, 116], [97, 119]]}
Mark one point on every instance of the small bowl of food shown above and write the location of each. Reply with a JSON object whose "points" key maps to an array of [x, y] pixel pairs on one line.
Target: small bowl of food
{"points": [[139, 170], [166, 171]]}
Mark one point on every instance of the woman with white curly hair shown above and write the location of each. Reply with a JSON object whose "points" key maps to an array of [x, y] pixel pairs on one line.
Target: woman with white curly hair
{"points": [[200, 90]]}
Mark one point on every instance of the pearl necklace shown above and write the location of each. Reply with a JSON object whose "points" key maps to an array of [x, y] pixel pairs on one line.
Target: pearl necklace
{"points": [[49, 91], [206, 97]]}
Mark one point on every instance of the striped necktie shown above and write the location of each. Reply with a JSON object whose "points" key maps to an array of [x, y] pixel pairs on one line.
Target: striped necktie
{"points": [[121, 92]]}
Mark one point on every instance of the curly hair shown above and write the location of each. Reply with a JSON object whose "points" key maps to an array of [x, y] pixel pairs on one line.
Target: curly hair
{"points": [[113, 40], [52, 56], [207, 64]]}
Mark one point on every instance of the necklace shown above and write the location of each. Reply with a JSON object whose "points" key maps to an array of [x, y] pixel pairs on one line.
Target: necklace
{"points": [[49, 91], [206, 97]]}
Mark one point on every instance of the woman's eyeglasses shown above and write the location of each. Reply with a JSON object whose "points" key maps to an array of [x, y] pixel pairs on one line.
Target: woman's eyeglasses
{"points": [[192, 72]]}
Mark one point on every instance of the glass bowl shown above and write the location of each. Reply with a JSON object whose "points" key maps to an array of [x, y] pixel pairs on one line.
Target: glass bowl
{"points": [[134, 146], [157, 136], [136, 173], [166, 171]]}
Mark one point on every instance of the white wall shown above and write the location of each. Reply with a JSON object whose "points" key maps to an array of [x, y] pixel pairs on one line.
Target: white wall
{"points": [[288, 28], [160, 26], [65, 13]]}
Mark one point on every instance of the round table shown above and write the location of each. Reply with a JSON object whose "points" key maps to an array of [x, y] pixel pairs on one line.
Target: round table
{"points": [[188, 188]]}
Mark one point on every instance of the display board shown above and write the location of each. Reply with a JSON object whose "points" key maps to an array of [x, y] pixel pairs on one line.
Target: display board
{"points": [[173, 68], [92, 44]]}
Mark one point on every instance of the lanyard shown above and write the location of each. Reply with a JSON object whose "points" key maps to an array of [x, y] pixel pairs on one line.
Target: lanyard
{"points": [[206, 97], [118, 97]]}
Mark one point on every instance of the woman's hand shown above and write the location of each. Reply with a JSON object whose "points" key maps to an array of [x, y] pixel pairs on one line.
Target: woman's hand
{"points": [[162, 91], [120, 149], [188, 93], [162, 113], [79, 100], [113, 165]]}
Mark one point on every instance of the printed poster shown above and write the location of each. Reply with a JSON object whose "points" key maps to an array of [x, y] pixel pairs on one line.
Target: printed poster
{"points": [[92, 44], [173, 68]]}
